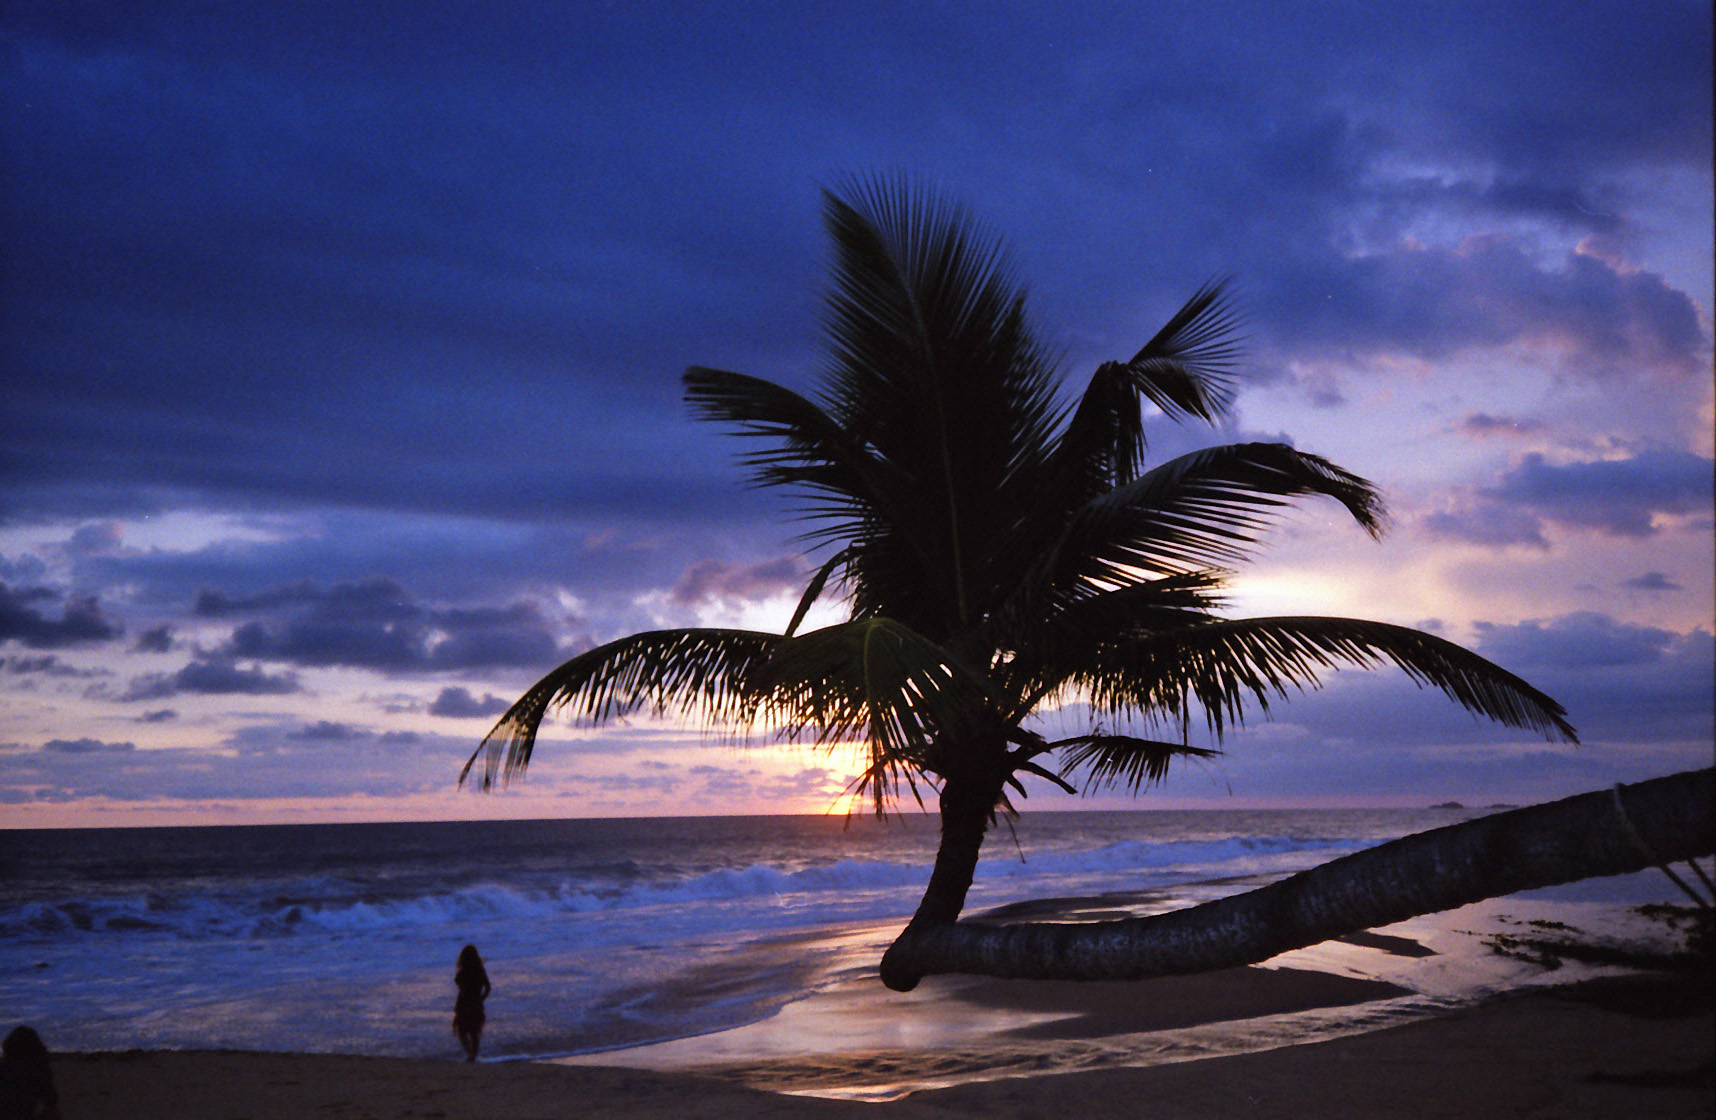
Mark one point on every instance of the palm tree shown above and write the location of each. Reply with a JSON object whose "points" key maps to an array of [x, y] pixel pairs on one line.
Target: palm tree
{"points": [[1608, 832], [1002, 551]]}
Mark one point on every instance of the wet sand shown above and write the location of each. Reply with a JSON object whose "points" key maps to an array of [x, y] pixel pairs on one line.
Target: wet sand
{"points": [[1613, 1047]]}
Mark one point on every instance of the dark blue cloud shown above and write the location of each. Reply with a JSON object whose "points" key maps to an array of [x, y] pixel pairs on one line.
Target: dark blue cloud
{"points": [[1651, 581], [26, 617], [377, 625], [86, 746], [417, 287], [1615, 497], [1618, 497], [212, 676], [260, 762], [157, 640], [327, 731], [1587, 640], [458, 703], [49, 665], [282, 255], [1491, 292], [1621, 682]]}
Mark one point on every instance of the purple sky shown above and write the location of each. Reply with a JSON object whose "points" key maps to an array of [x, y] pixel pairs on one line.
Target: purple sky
{"points": [[342, 347]]}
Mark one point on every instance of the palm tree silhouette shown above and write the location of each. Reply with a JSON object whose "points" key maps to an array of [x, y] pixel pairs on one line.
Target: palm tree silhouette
{"points": [[1001, 550]]}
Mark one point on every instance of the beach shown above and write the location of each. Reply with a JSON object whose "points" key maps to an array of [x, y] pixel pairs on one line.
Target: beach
{"points": [[727, 967], [1617, 1046]]}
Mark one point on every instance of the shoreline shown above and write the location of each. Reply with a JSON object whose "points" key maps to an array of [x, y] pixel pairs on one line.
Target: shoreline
{"points": [[1631, 1044], [1422, 1018]]}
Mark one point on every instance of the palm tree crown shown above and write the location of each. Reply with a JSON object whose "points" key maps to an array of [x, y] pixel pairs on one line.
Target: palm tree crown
{"points": [[1000, 548]]}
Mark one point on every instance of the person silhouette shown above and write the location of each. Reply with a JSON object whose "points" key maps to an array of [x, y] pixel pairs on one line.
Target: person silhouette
{"points": [[26, 1082], [472, 980]]}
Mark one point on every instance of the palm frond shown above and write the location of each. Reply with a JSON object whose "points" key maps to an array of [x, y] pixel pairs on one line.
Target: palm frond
{"points": [[706, 673], [1224, 665], [1186, 371], [1041, 654], [1123, 760], [1193, 516], [873, 677], [808, 450], [935, 364], [1202, 510], [813, 590]]}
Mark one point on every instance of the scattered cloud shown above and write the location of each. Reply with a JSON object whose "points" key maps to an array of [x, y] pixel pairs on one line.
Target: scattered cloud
{"points": [[1627, 498], [1618, 497], [377, 625], [1651, 581], [212, 676], [1488, 525], [711, 579], [320, 367], [23, 619], [1489, 292], [1586, 640], [158, 640], [1482, 425], [50, 665], [328, 731], [458, 703], [86, 746]]}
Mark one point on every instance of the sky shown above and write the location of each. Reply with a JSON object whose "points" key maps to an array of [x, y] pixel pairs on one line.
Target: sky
{"points": [[341, 351]]}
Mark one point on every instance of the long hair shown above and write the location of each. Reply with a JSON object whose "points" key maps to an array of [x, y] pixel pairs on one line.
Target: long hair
{"points": [[469, 959], [25, 1046]]}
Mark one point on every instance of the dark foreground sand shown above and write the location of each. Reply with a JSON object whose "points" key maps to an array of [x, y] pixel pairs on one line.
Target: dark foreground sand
{"points": [[1618, 1047]]}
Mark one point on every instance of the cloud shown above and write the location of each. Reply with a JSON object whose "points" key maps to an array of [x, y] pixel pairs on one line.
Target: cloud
{"points": [[1616, 497], [86, 746], [1482, 424], [1599, 318], [1622, 682], [1585, 640], [458, 703], [81, 620], [710, 579], [49, 665], [328, 731], [212, 676], [1651, 581], [1625, 498], [290, 271], [158, 640], [95, 539], [259, 762], [1489, 525], [376, 625]]}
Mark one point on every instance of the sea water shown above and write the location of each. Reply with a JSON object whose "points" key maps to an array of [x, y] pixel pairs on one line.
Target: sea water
{"points": [[598, 934]]}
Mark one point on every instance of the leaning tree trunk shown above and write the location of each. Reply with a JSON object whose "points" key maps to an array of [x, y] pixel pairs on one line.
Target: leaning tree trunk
{"points": [[1610, 832], [966, 809]]}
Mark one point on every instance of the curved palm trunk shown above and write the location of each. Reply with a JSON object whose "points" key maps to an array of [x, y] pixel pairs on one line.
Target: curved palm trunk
{"points": [[966, 809], [1609, 832]]}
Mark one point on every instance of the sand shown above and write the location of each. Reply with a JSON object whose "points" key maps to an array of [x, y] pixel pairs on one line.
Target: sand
{"points": [[1614, 1047]]}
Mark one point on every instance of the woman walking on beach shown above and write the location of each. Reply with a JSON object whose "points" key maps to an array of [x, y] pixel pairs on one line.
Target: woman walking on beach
{"points": [[472, 980]]}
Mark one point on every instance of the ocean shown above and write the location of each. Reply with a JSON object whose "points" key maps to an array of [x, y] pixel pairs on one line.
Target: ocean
{"points": [[599, 935]]}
